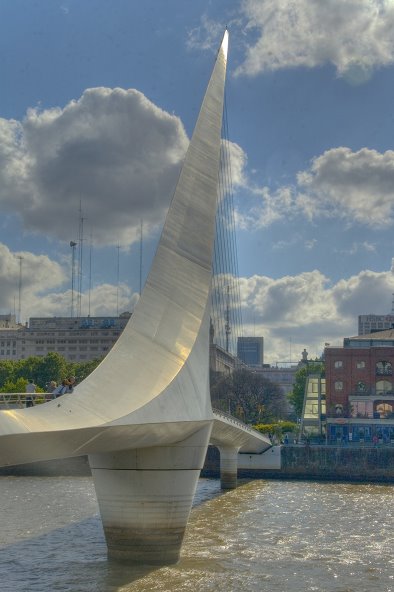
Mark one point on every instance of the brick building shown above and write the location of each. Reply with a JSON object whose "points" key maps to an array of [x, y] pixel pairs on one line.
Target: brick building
{"points": [[360, 388]]}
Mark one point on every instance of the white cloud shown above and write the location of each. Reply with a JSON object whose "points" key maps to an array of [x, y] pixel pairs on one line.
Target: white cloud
{"points": [[234, 162], [353, 35], [206, 36], [112, 150], [275, 206], [358, 247], [45, 289], [105, 300], [305, 311], [354, 185], [34, 274], [357, 187]]}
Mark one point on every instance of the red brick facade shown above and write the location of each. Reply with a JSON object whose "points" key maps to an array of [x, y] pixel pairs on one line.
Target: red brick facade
{"points": [[352, 368], [360, 390]]}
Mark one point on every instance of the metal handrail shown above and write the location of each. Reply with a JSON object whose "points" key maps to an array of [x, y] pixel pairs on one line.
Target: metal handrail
{"points": [[13, 400], [236, 421]]}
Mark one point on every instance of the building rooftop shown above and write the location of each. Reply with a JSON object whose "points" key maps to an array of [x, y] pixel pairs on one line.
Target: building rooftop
{"points": [[387, 334]]}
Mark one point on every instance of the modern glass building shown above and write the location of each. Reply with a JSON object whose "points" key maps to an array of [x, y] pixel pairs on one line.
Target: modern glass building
{"points": [[313, 419], [251, 350]]}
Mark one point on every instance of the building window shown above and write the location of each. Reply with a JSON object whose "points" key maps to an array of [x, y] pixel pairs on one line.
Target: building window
{"points": [[338, 364], [383, 387], [384, 368], [338, 385], [361, 387], [360, 365], [362, 409], [384, 409]]}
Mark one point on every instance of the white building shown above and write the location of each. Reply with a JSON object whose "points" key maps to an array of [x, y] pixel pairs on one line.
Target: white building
{"points": [[76, 339]]}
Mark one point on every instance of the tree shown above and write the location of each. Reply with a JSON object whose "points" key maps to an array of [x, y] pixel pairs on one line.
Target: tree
{"points": [[296, 397], [7, 369], [27, 368], [14, 387], [53, 366], [83, 369], [248, 395], [14, 374]]}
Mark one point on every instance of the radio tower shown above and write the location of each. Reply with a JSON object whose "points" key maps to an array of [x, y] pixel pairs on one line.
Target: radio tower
{"points": [[73, 244], [80, 260], [20, 289]]}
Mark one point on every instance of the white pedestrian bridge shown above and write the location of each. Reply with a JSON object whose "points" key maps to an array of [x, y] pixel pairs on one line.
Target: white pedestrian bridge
{"points": [[144, 415]]}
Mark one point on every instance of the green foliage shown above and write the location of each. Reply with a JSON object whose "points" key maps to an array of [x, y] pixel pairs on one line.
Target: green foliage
{"points": [[83, 369], [14, 374], [296, 397], [248, 395], [18, 386], [53, 366], [276, 428], [6, 370], [14, 387]]}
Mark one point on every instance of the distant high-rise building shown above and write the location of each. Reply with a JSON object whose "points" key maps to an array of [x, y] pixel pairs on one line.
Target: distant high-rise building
{"points": [[372, 323], [251, 350]]}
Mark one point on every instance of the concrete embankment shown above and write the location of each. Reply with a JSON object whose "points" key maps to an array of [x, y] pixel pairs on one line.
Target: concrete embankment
{"points": [[312, 462], [373, 464]]}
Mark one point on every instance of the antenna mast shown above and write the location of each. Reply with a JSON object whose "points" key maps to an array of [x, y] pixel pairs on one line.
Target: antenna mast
{"points": [[20, 289], [90, 271], [72, 245], [141, 256], [117, 283], [80, 260]]}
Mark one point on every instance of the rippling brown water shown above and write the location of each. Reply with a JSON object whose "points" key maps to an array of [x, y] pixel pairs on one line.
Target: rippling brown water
{"points": [[274, 536]]}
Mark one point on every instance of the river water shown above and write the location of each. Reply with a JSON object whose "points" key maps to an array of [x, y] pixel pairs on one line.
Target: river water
{"points": [[266, 536]]}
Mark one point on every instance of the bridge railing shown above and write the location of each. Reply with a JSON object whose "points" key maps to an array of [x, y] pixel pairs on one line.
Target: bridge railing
{"points": [[235, 421], [18, 400]]}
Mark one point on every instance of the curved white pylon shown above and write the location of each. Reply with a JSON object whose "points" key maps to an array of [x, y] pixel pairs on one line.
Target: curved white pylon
{"points": [[157, 371], [144, 415]]}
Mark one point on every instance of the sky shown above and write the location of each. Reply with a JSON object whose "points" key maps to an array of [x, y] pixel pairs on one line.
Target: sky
{"points": [[98, 102]]}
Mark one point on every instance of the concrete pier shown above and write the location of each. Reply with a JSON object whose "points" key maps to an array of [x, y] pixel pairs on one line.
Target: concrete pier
{"points": [[228, 466], [145, 497]]}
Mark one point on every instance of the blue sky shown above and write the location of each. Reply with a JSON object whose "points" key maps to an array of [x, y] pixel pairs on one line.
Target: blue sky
{"points": [[98, 101]]}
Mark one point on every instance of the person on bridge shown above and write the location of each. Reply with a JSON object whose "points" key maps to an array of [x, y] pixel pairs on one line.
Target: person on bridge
{"points": [[30, 389], [50, 389], [71, 384], [61, 389]]}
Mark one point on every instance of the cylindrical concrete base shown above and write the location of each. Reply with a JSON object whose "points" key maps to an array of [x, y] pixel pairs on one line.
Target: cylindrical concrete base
{"points": [[228, 466], [145, 497]]}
